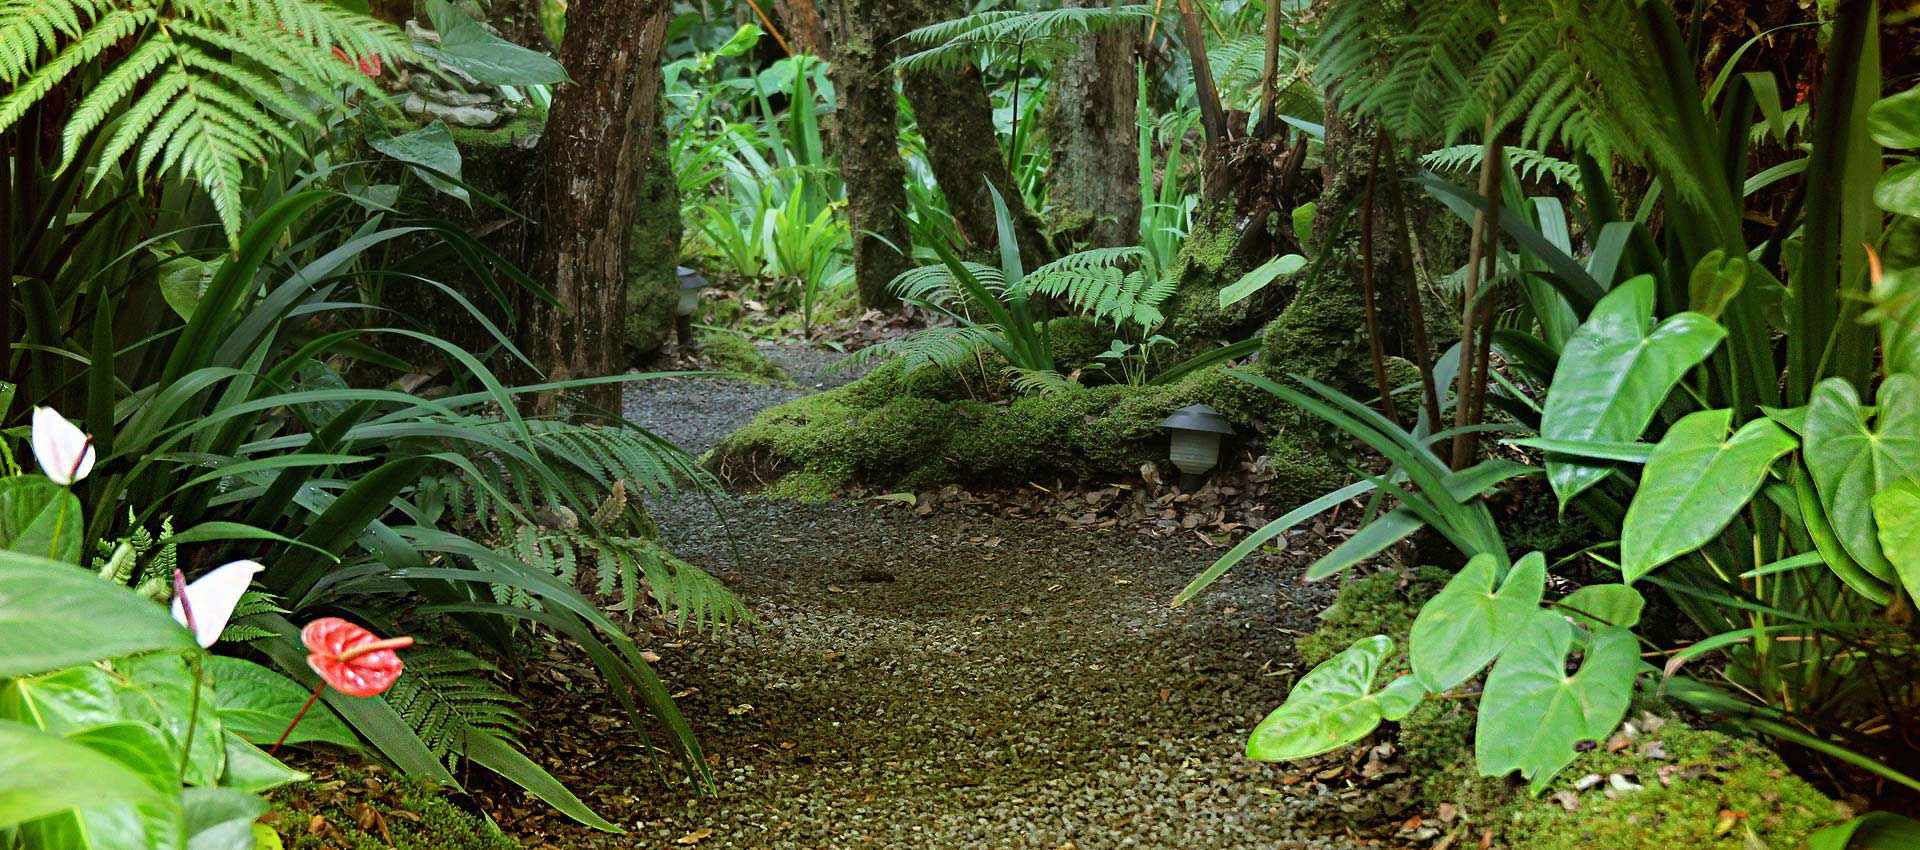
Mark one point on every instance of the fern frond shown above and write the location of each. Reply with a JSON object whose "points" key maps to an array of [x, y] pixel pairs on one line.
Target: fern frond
{"points": [[942, 346], [448, 695], [1041, 382], [1109, 284], [1528, 163], [948, 45]]}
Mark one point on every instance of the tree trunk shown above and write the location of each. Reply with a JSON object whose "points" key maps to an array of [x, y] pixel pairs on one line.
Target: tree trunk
{"points": [[805, 30], [589, 190], [653, 250], [1095, 182], [956, 118], [866, 135]]}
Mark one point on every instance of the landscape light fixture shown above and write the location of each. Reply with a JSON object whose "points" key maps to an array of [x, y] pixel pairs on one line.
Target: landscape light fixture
{"points": [[1195, 444], [691, 282]]}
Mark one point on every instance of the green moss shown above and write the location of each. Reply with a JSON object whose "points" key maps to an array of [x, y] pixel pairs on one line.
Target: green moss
{"points": [[732, 352], [1077, 342], [1713, 774], [802, 487], [653, 251], [416, 817], [1382, 603], [519, 131]]}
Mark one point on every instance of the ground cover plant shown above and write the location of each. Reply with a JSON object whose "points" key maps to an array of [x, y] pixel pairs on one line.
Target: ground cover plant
{"points": [[1032, 424]]}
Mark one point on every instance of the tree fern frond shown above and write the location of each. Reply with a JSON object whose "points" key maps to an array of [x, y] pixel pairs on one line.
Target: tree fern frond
{"points": [[1528, 163], [943, 346], [448, 695], [950, 44]]}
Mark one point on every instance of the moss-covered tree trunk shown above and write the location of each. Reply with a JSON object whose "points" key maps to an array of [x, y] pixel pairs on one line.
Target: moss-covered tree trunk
{"points": [[866, 134], [653, 250], [589, 191], [956, 118], [1094, 184]]}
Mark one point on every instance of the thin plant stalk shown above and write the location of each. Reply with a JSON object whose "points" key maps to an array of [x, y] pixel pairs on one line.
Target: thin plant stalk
{"points": [[1470, 310], [1369, 303], [1416, 309]]}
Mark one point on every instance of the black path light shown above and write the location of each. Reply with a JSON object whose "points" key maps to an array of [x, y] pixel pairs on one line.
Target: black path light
{"points": [[691, 282], [1194, 446]]}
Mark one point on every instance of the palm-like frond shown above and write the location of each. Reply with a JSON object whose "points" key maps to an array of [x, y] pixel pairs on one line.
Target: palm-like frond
{"points": [[951, 44], [1528, 163], [943, 346], [193, 88], [1117, 285], [448, 696]]}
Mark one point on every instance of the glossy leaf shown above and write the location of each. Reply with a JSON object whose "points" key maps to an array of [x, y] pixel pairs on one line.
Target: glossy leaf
{"points": [[1894, 120], [1696, 480], [158, 689], [1896, 513], [1334, 705], [1871, 831], [39, 518], [53, 615], [1533, 715], [221, 818], [468, 45], [43, 774], [1898, 191], [1850, 459], [257, 704], [1468, 623], [1602, 605], [252, 769], [1615, 373]]}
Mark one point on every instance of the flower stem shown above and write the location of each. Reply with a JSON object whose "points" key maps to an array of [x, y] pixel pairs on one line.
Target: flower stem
{"points": [[296, 718]]}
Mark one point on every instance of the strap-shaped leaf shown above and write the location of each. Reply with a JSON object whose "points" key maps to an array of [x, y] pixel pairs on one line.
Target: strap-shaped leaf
{"points": [[1473, 618], [1533, 716], [1615, 373], [1696, 480], [1334, 705], [1851, 459]]}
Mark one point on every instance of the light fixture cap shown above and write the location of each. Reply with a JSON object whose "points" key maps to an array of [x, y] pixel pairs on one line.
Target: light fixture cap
{"points": [[1198, 417], [690, 278]]}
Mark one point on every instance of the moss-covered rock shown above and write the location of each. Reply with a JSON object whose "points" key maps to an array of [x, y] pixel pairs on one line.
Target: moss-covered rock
{"points": [[732, 352], [930, 427], [355, 809]]}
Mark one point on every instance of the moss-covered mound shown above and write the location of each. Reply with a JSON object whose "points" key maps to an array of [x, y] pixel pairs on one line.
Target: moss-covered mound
{"points": [[346, 808], [1657, 783], [931, 427]]}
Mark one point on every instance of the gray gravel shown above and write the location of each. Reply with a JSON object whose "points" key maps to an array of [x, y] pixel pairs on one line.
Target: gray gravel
{"points": [[694, 413], [953, 680]]}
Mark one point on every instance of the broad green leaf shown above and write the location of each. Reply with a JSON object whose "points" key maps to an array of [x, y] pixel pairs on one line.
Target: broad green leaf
{"points": [[257, 704], [468, 45], [1468, 623], [1601, 605], [1813, 519], [1896, 512], [1871, 831], [500, 757], [158, 689], [39, 518], [43, 774], [1258, 279], [742, 40], [1615, 373], [432, 155], [1850, 460], [252, 769], [53, 615], [62, 701], [1714, 283], [1894, 120], [184, 279], [1533, 715], [1334, 705], [1697, 479], [221, 818], [1898, 191]]}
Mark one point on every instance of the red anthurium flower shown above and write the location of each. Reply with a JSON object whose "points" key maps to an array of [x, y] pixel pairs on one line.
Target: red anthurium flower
{"points": [[351, 659]]}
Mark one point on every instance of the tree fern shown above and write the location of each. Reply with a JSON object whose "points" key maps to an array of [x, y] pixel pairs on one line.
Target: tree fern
{"points": [[1115, 285], [1528, 163], [951, 44], [196, 89], [448, 696]]}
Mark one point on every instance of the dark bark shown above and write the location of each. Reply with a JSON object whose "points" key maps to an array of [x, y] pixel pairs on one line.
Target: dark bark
{"points": [[956, 118], [1094, 184], [589, 190], [866, 134], [805, 30]]}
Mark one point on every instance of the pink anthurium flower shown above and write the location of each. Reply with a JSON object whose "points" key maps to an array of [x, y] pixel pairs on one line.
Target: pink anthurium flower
{"points": [[205, 605], [64, 452], [349, 659]]}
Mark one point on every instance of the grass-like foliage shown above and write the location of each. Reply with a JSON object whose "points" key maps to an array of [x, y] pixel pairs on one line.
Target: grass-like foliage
{"points": [[189, 88]]}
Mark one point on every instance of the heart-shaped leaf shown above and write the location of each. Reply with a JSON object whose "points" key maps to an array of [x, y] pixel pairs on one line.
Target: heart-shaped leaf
{"points": [[1533, 716], [1616, 370], [257, 704], [1696, 480], [1896, 512], [54, 615], [1334, 705], [1850, 460], [1468, 623]]}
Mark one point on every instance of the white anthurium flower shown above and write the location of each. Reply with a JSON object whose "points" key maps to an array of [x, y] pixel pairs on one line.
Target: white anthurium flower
{"points": [[64, 452], [213, 597]]}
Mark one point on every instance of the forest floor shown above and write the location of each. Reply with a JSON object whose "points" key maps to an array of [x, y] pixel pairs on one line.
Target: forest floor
{"points": [[944, 680]]}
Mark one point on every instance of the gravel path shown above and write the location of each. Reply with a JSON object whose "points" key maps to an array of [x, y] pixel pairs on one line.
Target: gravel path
{"points": [[944, 681], [694, 413]]}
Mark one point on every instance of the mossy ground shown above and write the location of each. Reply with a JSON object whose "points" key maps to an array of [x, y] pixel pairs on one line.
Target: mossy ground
{"points": [[726, 351], [1720, 791], [344, 808]]}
